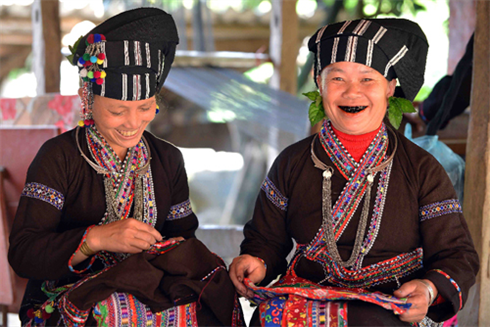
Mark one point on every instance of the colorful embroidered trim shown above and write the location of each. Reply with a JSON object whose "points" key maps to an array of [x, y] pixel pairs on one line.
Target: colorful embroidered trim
{"points": [[355, 173], [297, 288], [456, 286], [162, 247], [44, 193], [439, 209], [212, 272], [123, 174], [375, 274], [180, 210], [123, 309], [274, 195], [70, 265]]}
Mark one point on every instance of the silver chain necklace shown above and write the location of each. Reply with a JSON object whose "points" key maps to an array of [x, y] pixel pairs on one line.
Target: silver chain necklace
{"points": [[329, 236]]}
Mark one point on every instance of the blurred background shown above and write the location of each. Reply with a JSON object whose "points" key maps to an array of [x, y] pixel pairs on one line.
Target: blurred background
{"points": [[234, 93]]}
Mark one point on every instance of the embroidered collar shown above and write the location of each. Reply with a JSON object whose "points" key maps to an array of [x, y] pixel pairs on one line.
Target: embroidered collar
{"points": [[360, 178]]}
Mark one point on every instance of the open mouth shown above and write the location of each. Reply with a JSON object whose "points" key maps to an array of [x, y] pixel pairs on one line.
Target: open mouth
{"points": [[128, 133], [353, 110]]}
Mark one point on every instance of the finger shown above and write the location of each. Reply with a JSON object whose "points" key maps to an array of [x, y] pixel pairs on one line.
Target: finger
{"points": [[145, 228], [144, 236], [178, 239], [234, 276], [140, 244], [405, 290]]}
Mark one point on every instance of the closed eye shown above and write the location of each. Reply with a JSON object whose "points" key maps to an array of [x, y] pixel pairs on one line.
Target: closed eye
{"points": [[116, 113]]}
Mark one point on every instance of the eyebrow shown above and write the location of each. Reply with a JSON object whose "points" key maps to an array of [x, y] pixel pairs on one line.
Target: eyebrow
{"points": [[339, 70], [140, 106]]}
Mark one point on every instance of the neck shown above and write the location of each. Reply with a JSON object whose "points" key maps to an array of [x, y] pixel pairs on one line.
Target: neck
{"points": [[356, 145]]}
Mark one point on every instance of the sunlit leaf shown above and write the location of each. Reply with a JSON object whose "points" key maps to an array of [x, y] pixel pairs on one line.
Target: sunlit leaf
{"points": [[315, 113]]}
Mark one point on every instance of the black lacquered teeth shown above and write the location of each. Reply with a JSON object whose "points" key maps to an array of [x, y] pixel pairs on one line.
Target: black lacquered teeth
{"points": [[352, 110]]}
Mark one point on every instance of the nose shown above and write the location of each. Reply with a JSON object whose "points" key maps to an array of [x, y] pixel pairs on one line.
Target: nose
{"points": [[352, 90], [133, 119]]}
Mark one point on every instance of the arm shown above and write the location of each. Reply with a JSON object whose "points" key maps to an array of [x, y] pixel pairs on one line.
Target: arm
{"points": [[38, 249], [266, 235], [449, 255], [180, 221]]}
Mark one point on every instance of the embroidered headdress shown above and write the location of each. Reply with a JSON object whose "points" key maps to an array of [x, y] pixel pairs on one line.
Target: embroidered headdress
{"points": [[396, 48], [128, 57]]}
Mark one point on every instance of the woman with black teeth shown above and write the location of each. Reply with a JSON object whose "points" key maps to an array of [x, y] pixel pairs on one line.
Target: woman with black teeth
{"points": [[369, 210]]}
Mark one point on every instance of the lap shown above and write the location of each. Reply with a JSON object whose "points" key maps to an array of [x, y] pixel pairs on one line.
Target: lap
{"points": [[359, 313]]}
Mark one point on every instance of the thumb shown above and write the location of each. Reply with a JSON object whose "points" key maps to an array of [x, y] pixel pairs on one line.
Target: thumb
{"points": [[404, 290]]}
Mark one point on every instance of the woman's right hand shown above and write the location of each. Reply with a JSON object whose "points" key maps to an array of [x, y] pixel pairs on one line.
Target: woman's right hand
{"points": [[123, 236], [246, 266]]}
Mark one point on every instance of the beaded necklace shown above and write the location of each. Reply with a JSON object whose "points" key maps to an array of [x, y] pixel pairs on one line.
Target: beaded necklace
{"points": [[360, 180], [128, 183]]}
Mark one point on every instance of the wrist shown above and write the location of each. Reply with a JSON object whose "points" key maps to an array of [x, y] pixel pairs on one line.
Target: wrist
{"points": [[431, 289], [263, 262], [92, 239]]}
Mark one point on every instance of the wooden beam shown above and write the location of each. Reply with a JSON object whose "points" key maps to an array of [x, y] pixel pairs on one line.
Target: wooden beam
{"points": [[284, 45], [477, 176], [46, 45]]}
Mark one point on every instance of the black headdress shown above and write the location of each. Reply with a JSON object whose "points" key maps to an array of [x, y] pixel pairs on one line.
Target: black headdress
{"points": [[394, 47], [128, 57]]}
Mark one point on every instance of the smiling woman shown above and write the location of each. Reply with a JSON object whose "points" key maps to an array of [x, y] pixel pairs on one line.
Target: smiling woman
{"points": [[105, 231], [122, 123], [368, 209], [355, 97]]}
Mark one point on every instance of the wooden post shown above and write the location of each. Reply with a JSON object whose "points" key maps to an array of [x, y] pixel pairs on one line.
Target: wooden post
{"points": [[283, 51], [462, 22], [46, 45], [284, 45], [477, 177]]}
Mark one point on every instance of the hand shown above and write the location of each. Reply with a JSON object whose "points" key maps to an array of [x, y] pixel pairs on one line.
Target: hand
{"points": [[178, 239], [418, 296], [123, 236], [246, 266]]}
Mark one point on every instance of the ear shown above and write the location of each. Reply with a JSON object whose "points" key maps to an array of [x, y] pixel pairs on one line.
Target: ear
{"points": [[319, 83], [80, 92], [391, 88]]}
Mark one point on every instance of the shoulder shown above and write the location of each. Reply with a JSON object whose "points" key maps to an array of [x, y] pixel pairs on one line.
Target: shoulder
{"points": [[421, 169], [296, 150], [164, 150], [292, 157], [414, 154], [58, 149]]}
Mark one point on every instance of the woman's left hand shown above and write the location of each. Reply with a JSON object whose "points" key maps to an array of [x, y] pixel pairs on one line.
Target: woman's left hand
{"points": [[418, 295]]}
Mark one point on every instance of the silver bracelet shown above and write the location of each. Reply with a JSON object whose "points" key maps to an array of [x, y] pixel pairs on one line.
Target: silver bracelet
{"points": [[431, 291]]}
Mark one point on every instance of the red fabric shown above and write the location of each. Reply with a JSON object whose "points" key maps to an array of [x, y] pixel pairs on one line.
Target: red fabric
{"points": [[356, 145]]}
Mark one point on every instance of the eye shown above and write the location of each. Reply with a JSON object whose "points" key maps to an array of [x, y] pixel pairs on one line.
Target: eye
{"points": [[337, 78], [116, 113], [367, 79], [145, 109]]}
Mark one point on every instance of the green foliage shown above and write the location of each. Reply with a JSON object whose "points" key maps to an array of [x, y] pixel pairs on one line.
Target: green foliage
{"points": [[398, 106], [73, 50], [316, 112], [423, 93], [372, 8]]}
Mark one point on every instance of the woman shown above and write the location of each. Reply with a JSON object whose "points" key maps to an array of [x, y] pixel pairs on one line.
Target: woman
{"points": [[366, 207], [104, 230]]}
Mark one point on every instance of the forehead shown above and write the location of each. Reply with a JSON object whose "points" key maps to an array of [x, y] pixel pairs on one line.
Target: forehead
{"points": [[109, 102], [349, 68]]}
